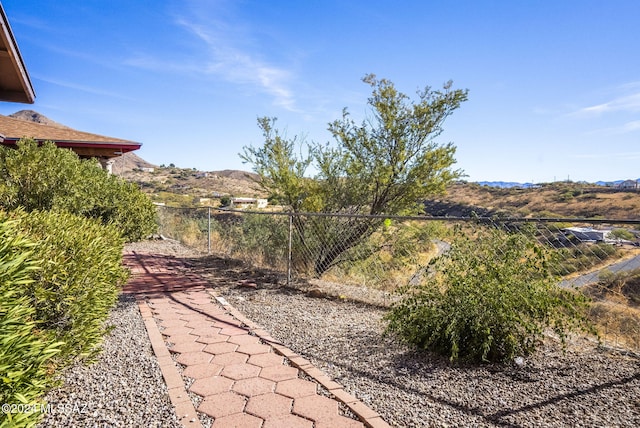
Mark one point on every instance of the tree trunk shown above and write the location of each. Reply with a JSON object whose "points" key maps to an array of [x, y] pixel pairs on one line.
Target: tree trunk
{"points": [[342, 243]]}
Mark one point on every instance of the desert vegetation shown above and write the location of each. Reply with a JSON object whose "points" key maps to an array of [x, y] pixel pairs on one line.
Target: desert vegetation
{"points": [[383, 166], [476, 305], [63, 224], [352, 221], [44, 177]]}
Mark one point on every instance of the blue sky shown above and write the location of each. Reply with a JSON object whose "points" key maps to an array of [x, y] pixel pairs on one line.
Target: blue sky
{"points": [[554, 86]]}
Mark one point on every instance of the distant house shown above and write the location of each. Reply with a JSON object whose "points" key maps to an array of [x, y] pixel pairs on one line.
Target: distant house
{"points": [[628, 185], [587, 234], [247, 203], [147, 169]]}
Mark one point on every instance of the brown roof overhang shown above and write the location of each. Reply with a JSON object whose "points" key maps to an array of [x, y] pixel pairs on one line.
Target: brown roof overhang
{"points": [[83, 143], [123, 147], [15, 84]]}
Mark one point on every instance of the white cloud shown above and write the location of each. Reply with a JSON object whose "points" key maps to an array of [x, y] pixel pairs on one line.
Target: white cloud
{"points": [[609, 156], [627, 102], [626, 128], [83, 88], [631, 126], [229, 55]]}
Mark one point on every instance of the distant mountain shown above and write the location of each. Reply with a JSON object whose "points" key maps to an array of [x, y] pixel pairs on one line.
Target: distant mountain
{"points": [[511, 184], [506, 184], [34, 116], [612, 183]]}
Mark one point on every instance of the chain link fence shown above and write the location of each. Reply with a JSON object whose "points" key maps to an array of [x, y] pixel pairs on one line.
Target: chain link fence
{"points": [[600, 258]]}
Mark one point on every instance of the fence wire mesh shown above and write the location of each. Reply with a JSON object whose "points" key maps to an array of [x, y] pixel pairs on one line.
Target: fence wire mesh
{"points": [[600, 258]]}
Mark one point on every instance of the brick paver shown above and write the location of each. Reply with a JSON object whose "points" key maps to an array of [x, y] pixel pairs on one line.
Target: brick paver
{"points": [[244, 376]]}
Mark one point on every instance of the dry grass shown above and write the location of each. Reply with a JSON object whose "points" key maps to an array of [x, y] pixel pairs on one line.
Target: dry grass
{"points": [[616, 308], [618, 324]]}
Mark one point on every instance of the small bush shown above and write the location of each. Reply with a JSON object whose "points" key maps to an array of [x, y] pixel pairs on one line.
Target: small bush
{"points": [[623, 234], [582, 257], [488, 299], [25, 350], [79, 278], [260, 239]]}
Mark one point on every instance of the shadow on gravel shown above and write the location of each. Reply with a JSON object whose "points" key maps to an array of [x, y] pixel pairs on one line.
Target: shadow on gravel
{"points": [[231, 273], [498, 416], [526, 391], [429, 367]]}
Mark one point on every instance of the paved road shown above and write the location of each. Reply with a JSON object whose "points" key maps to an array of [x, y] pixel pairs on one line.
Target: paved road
{"points": [[589, 278]]}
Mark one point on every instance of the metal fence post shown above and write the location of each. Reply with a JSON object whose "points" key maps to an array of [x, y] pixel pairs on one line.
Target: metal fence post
{"points": [[289, 252], [208, 230]]}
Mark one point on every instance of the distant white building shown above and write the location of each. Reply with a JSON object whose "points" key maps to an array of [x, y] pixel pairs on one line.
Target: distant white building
{"points": [[246, 203], [588, 234], [628, 184]]}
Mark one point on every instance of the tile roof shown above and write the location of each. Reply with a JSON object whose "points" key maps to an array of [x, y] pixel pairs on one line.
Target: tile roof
{"points": [[14, 129]]}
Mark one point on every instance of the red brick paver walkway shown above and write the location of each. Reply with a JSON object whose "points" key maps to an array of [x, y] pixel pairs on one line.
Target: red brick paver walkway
{"points": [[238, 374]]}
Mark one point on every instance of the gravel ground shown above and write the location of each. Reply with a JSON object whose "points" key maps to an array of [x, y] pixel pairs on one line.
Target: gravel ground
{"points": [[123, 388], [586, 386]]}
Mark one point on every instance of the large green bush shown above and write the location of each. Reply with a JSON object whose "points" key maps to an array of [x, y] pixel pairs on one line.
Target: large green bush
{"points": [[79, 278], [489, 298], [25, 349], [45, 177], [123, 204]]}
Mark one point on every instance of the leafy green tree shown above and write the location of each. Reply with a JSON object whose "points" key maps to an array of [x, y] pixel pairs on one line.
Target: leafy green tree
{"points": [[384, 166], [489, 298], [45, 177]]}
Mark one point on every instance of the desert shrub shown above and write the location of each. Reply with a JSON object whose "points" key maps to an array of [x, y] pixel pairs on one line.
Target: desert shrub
{"points": [[621, 285], [78, 280], [581, 257], [391, 256], [566, 196], [489, 298], [260, 239], [623, 234], [186, 225], [122, 204], [46, 177], [25, 349]]}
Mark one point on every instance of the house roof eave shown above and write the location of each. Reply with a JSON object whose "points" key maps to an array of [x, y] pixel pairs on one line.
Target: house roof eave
{"points": [[15, 83]]}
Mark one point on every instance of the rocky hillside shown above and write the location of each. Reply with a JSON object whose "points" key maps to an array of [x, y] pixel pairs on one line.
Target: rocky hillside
{"points": [[560, 199], [168, 183]]}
